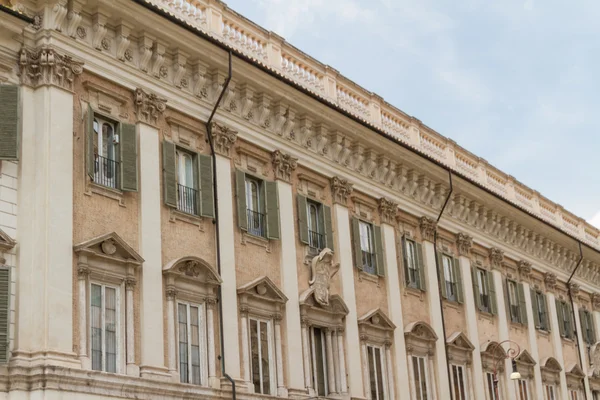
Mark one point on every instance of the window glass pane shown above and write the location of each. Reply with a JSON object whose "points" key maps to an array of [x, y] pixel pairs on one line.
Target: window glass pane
{"points": [[183, 343], [379, 369], [449, 276], [417, 374], [264, 347], [372, 372], [110, 315], [461, 383], [365, 236], [96, 326], [195, 345], [252, 191], [424, 379], [255, 355], [313, 218], [319, 358]]}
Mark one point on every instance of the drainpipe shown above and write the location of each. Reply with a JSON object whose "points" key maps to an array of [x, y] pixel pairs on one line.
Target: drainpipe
{"points": [[437, 268], [216, 218], [573, 312]]}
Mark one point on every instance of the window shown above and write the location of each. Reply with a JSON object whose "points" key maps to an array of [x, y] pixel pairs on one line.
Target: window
{"points": [[450, 277], [513, 301], [192, 337], [522, 389], [254, 202], [376, 372], [565, 319], [187, 192], [550, 391], [586, 320], [105, 152], [458, 383], [573, 394], [257, 206], [366, 245], [104, 321], [261, 355], [540, 310], [489, 379], [316, 236], [412, 276], [318, 345], [485, 293], [314, 224], [421, 378]]}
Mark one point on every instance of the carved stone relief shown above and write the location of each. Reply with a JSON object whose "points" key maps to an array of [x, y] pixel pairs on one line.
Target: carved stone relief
{"points": [[283, 165], [322, 271], [45, 66], [148, 106]]}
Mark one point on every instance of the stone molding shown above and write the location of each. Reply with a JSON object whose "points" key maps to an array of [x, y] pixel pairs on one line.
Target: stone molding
{"points": [[45, 66], [464, 243], [223, 138], [388, 210], [283, 165], [341, 189], [428, 228], [148, 106], [496, 257]]}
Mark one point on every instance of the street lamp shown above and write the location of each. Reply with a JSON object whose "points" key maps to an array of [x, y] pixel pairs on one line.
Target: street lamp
{"points": [[512, 353]]}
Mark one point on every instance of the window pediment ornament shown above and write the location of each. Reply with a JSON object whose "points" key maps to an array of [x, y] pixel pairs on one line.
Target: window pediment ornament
{"points": [[525, 364], [193, 269], [490, 354], [312, 312], [376, 327], [428, 228], [420, 338], [110, 247], [575, 377], [323, 269], [262, 289]]}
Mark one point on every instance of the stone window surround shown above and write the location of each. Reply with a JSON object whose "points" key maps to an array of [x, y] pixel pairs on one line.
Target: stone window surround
{"points": [[191, 279], [108, 259], [551, 369], [575, 377], [490, 354], [460, 352], [420, 342], [262, 299]]}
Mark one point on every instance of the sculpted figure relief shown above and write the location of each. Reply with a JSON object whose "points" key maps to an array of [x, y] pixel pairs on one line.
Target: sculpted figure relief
{"points": [[322, 270], [595, 359]]}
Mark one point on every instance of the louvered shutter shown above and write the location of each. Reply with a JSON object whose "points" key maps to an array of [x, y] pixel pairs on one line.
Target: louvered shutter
{"points": [[476, 294], [492, 292], [272, 210], [583, 325], [169, 174], [459, 280], [302, 218], [441, 275], [421, 266], [328, 226], [356, 243], [536, 307], [544, 306], [380, 262], [207, 199], [506, 291], [522, 304], [240, 194], [4, 312], [405, 263], [592, 329], [90, 159], [128, 145], [9, 122], [561, 318], [569, 312]]}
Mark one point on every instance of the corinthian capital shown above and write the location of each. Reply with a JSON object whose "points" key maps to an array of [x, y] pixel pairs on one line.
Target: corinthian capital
{"points": [[496, 257], [44, 66], [550, 280], [387, 209], [428, 228], [148, 106], [223, 138], [524, 268], [284, 165], [340, 189], [464, 243]]}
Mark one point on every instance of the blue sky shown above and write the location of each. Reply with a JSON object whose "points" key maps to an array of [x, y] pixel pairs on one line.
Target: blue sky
{"points": [[514, 81]]}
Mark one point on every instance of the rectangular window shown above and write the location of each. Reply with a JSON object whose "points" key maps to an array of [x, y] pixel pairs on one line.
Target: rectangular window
{"points": [[187, 182], [565, 318], [458, 382], [484, 291], [513, 301], [376, 372], [587, 326], [573, 395], [550, 392], [104, 322], [106, 164], [319, 360], [261, 354], [316, 236], [421, 378], [542, 311], [255, 206], [451, 289], [410, 250], [489, 379], [192, 337], [523, 389], [367, 247]]}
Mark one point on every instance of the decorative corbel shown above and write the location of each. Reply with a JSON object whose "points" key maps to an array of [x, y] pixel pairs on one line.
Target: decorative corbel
{"points": [[99, 26], [123, 32], [158, 58], [200, 79], [74, 17], [247, 101], [179, 62], [145, 47]]}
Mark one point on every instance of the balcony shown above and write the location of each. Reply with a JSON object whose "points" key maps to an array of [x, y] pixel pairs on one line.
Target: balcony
{"points": [[316, 240], [256, 223], [106, 172], [187, 199]]}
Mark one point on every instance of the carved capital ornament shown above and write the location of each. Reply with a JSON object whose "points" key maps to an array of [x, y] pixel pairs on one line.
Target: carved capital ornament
{"points": [[341, 189], [574, 289], [550, 280], [223, 138], [428, 228], [596, 302], [148, 106], [283, 165], [464, 243], [496, 257], [388, 209], [524, 268], [44, 66]]}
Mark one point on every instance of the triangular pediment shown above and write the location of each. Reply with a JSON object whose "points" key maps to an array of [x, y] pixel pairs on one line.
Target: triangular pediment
{"points": [[377, 319], [110, 246], [460, 341], [263, 288], [551, 364], [420, 330], [525, 358], [6, 242], [575, 371]]}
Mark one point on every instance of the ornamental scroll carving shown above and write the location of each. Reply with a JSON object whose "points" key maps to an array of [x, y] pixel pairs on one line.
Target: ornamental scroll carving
{"points": [[496, 257], [45, 66], [340, 189], [428, 228], [322, 271], [223, 138], [148, 106], [464, 243], [190, 268], [388, 209], [283, 165]]}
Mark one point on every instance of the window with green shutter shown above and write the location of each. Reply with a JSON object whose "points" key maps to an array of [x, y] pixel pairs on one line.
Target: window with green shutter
{"points": [[257, 205], [4, 313], [368, 247], [539, 308], [450, 277], [586, 322], [9, 122], [484, 290], [565, 319], [314, 224]]}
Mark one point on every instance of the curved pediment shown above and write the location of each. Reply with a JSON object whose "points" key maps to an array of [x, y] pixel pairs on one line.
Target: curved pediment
{"points": [[551, 364], [336, 304], [420, 330], [377, 319], [492, 349], [460, 341], [263, 288], [193, 268], [111, 247]]}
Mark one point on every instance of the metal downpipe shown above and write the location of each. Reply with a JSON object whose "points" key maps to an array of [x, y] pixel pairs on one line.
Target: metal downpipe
{"points": [[573, 314]]}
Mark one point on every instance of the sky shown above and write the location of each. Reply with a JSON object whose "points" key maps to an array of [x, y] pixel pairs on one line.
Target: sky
{"points": [[514, 81]]}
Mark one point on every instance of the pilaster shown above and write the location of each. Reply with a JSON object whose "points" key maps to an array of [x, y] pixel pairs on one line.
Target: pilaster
{"points": [[524, 271], [582, 348], [555, 335]]}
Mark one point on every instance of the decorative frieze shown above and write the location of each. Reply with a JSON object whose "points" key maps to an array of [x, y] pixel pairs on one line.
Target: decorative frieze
{"points": [[550, 280], [496, 257], [283, 165], [387, 210], [44, 66], [464, 243], [148, 106], [524, 268], [428, 228], [341, 190], [223, 138]]}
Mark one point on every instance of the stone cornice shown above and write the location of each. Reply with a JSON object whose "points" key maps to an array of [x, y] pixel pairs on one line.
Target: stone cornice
{"points": [[45, 66], [148, 106], [341, 189], [388, 210], [283, 165], [223, 138]]}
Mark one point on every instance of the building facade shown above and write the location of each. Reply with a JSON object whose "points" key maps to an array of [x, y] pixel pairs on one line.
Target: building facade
{"points": [[306, 240]]}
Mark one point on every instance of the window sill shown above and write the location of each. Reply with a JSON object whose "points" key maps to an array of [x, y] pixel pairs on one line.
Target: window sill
{"points": [[248, 238], [176, 215], [111, 193], [310, 253], [365, 276], [542, 333]]}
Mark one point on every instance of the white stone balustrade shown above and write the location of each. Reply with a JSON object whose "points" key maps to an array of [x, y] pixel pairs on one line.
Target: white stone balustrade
{"points": [[352, 102], [244, 40], [306, 75]]}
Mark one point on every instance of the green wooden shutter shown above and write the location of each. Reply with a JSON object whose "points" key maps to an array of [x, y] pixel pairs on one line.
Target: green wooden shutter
{"points": [[405, 263], [89, 143], [326, 211], [207, 199], [272, 210], [476, 295], [522, 304], [240, 194], [441, 275], [380, 262], [591, 327], [420, 267], [561, 318], [535, 308], [302, 218], [544, 304], [4, 312], [356, 243], [583, 325], [459, 280], [128, 145], [169, 175], [492, 292], [506, 296], [9, 122], [571, 320]]}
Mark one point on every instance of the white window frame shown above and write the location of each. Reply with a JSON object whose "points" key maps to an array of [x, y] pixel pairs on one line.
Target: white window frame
{"points": [[271, 354], [98, 122], [550, 392], [464, 384], [313, 356], [449, 278], [119, 367], [490, 394], [426, 372], [411, 258], [381, 393], [523, 384], [202, 342]]}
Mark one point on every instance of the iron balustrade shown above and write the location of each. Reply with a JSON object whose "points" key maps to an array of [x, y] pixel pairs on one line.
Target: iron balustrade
{"points": [[368, 261], [106, 172], [316, 240], [256, 223], [187, 199]]}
